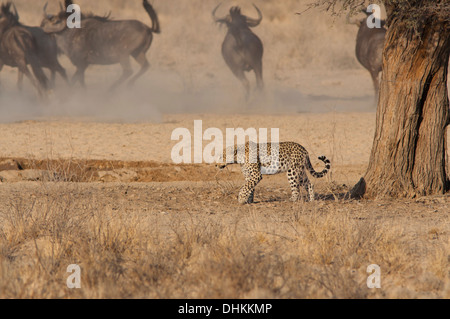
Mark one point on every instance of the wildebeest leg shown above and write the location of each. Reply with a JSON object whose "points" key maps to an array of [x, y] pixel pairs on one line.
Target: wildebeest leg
{"points": [[1, 67], [241, 76], [38, 73], [20, 81], [52, 79], [25, 71], [259, 78], [126, 73], [376, 82], [79, 75], [246, 84], [143, 62], [62, 72]]}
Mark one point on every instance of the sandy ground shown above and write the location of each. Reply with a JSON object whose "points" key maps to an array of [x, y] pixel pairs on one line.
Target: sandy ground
{"points": [[344, 137], [118, 145]]}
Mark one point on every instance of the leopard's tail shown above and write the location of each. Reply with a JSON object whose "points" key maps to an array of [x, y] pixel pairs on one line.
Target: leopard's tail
{"points": [[323, 172]]}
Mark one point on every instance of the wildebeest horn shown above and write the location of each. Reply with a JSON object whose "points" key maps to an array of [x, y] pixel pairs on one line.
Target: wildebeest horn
{"points": [[353, 21], [366, 12], [45, 9], [214, 14], [68, 3], [15, 11], [254, 22]]}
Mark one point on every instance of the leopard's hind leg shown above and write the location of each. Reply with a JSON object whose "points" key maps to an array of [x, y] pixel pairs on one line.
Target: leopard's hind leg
{"points": [[295, 180], [309, 188]]}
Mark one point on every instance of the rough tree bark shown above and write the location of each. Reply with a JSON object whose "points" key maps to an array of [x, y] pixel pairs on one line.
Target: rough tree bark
{"points": [[408, 156]]}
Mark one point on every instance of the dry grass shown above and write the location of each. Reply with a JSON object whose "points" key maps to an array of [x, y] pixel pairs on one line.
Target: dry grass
{"points": [[135, 240], [185, 239]]}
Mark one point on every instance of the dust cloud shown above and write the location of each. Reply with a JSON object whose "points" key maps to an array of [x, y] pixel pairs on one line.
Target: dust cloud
{"points": [[308, 65]]}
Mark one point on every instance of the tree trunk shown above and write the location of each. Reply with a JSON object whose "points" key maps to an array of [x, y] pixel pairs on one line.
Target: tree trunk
{"points": [[408, 155]]}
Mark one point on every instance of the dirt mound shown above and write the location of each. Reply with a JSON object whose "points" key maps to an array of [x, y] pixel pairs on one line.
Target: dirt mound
{"points": [[75, 170]]}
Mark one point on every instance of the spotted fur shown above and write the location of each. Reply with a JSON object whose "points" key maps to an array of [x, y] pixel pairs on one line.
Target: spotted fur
{"points": [[272, 158]]}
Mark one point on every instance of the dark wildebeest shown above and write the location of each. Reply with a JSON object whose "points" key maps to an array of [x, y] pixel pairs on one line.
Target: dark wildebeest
{"points": [[103, 41], [242, 50], [18, 48], [47, 52], [369, 48]]}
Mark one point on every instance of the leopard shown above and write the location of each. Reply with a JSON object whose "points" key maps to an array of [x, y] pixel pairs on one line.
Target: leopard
{"points": [[257, 159]]}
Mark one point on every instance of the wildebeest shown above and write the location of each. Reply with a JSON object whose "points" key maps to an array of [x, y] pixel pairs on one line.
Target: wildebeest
{"points": [[369, 48], [103, 41], [47, 52], [18, 48], [242, 50]]}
